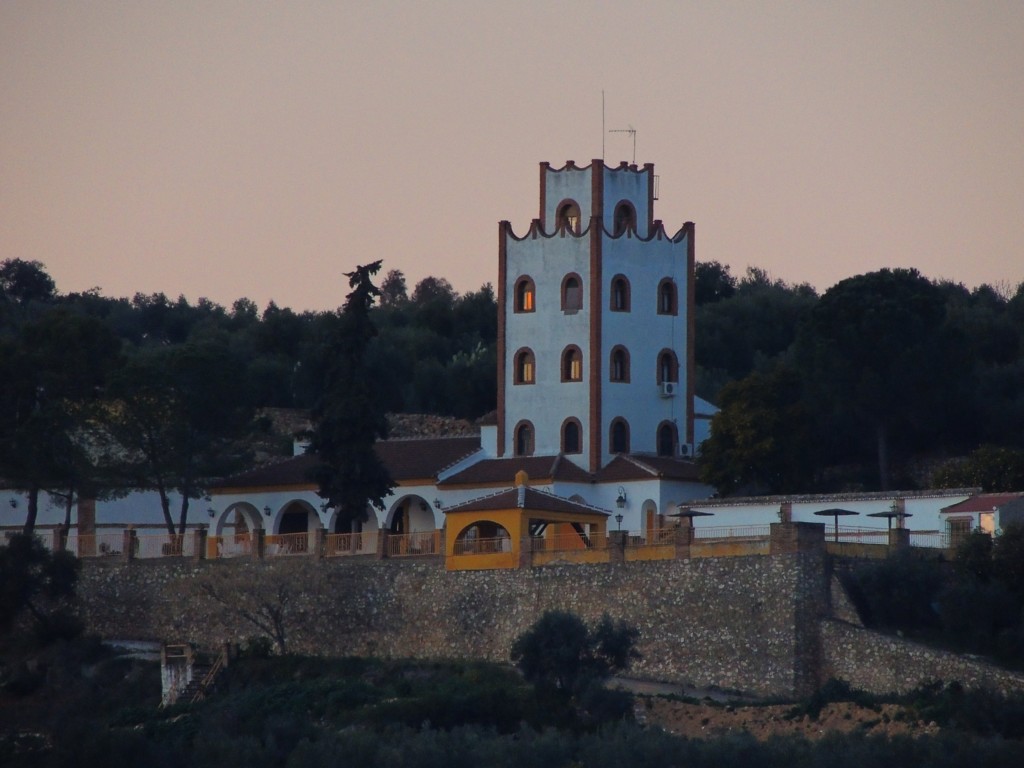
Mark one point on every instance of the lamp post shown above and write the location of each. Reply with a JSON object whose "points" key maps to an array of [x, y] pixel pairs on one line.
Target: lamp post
{"points": [[618, 521]]}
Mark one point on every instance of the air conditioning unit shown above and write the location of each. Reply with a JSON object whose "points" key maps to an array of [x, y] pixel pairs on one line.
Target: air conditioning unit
{"points": [[684, 449], [668, 388]]}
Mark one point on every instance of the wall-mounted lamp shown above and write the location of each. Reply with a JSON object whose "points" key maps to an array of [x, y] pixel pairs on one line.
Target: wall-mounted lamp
{"points": [[211, 512], [618, 520], [266, 510], [323, 506], [14, 503], [437, 503], [620, 500]]}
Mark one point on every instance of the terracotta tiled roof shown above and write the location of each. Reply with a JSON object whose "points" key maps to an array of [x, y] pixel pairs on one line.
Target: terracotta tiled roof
{"points": [[422, 458], [631, 467], [406, 459], [532, 499], [983, 502], [538, 468]]}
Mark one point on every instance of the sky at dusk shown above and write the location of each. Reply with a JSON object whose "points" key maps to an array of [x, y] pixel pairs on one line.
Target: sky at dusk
{"points": [[260, 149]]}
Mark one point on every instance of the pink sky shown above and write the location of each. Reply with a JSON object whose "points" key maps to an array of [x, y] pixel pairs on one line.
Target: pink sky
{"points": [[257, 149]]}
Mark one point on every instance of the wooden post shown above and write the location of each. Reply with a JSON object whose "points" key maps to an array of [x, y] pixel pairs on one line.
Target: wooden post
{"points": [[128, 544], [199, 543]]}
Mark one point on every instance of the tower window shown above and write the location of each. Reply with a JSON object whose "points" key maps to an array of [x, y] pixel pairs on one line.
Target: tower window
{"points": [[619, 442], [625, 218], [525, 367], [571, 436], [524, 439], [668, 366], [572, 293], [525, 295], [572, 364], [620, 294], [667, 303], [667, 439], [569, 216], [619, 368]]}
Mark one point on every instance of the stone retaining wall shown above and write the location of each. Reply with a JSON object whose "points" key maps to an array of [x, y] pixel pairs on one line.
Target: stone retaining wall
{"points": [[881, 663], [743, 623]]}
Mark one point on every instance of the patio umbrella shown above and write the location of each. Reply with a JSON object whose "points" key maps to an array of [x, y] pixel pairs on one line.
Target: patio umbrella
{"points": [[686, 513], [889, 514], [836, 513]]}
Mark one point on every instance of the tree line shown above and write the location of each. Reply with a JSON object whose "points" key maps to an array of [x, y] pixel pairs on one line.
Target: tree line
{"points": [[886, 380], [854, 389], [101, 394]]}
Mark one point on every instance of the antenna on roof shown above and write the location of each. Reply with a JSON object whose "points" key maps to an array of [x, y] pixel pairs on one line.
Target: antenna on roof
{"points": [[631, 130]]}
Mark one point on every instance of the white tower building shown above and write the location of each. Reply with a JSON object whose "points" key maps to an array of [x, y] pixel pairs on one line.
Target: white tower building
{"points": [[595, 322]]}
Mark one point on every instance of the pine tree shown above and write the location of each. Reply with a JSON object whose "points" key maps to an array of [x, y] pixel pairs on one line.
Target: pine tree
{"points": [[347, 417]]}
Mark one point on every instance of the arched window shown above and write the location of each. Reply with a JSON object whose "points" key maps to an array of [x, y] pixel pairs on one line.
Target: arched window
{"points": [[667, 440], [668, 366], [571, 431], [524, 439], [667, 303], [569, 216], [619, 442], [625, 218], [619, 364], [525, 295], [572, 293], [525, 368], [572, 364], [620, 294]]}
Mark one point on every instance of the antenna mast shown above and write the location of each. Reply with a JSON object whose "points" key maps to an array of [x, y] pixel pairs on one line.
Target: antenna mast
{"points": [[632, 131]]}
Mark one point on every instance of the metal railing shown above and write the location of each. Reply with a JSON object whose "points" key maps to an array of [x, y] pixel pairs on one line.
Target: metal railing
{"points": [[490, 546], [153, 545], [235, 545], [652, 537], [567, 542], [105, 544], [416, 543], [341, 544], [284, 544], [747, 532]]}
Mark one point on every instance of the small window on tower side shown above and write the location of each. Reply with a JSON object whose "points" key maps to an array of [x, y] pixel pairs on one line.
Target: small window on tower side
{"points": [[524, 439], [571, 436], [619, 368], [569, 216], [619, 442], [625, 218], [572, 294], [572, 364], [620, 294], [667, 439], [667, 297], [524, 372], [525, 295]]}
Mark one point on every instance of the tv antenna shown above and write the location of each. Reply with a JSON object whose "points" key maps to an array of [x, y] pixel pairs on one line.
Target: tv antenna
{"points": [[632, 131]]}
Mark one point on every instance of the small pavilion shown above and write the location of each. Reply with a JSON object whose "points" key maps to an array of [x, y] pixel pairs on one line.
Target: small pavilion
{"points": [[500, 530]]}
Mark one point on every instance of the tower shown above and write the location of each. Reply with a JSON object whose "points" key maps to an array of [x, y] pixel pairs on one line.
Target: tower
{"points": [[595, 322]]}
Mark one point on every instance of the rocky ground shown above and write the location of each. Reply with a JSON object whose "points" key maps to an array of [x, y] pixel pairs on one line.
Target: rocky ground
{"points": [[699, 713], [715, 719]]}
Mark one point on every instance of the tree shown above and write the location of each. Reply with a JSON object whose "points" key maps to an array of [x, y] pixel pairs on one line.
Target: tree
{"points": [[392, 290], [992, 468], [712, 282], [560, 654], [347, 418], [52, 374], [880, 361], [25, 281], [761, 438], [175, 420], [34, 580]]}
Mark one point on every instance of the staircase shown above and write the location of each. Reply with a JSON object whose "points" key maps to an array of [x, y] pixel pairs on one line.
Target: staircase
{"points": [[188, 674]]}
